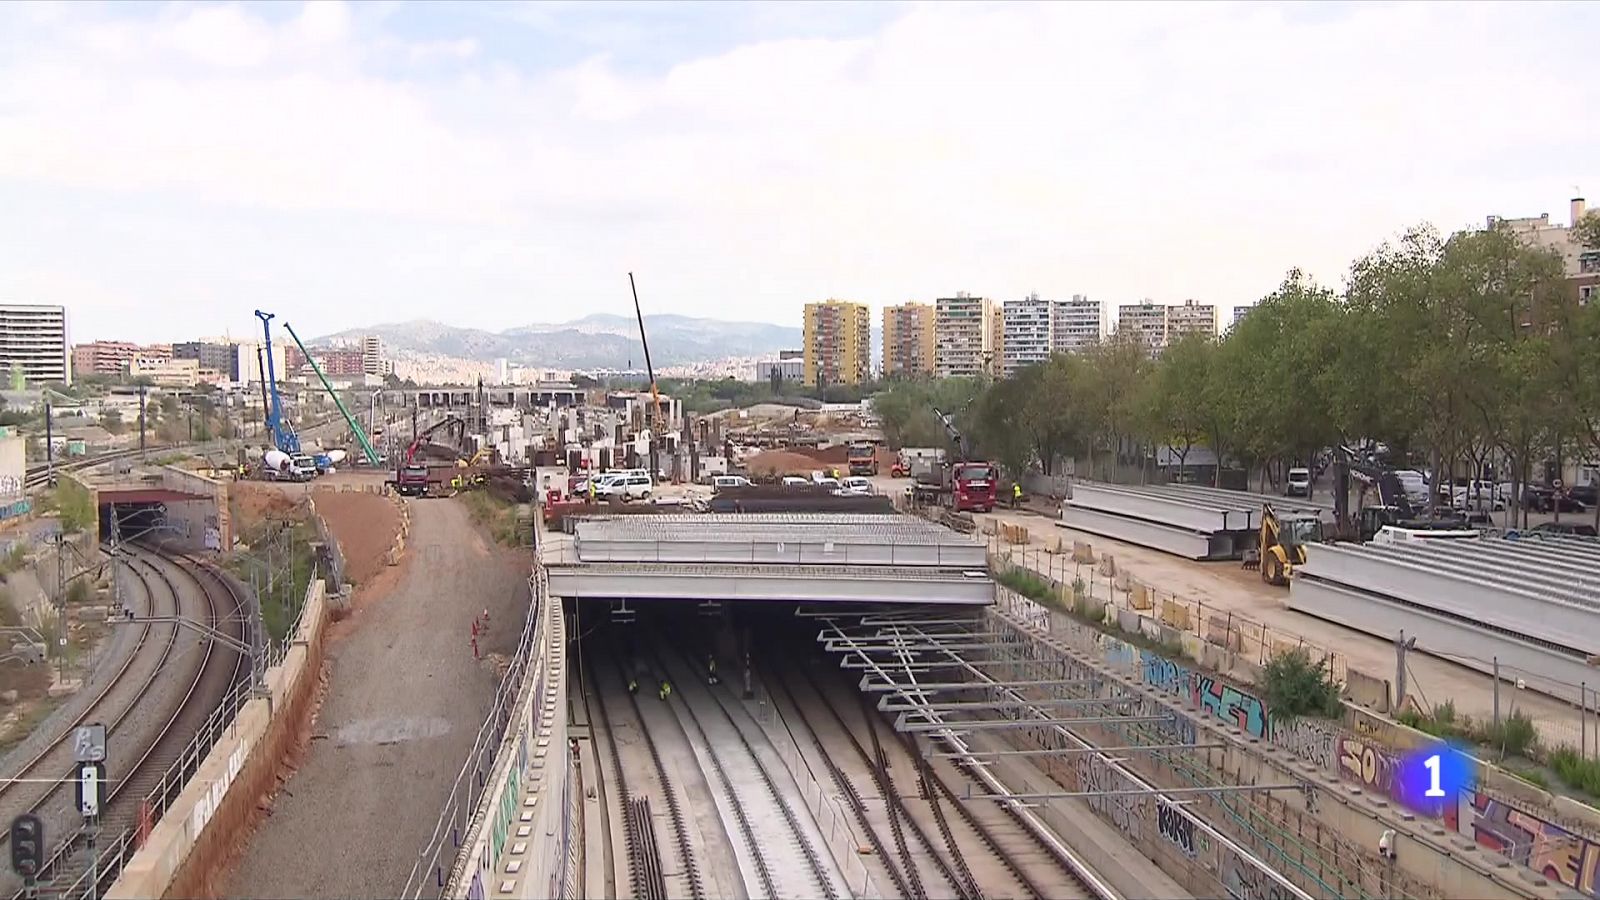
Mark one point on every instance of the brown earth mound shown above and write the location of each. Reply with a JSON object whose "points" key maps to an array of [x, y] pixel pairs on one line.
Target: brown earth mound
{"points": [[784, 462], [253, 503], [365, 525]]}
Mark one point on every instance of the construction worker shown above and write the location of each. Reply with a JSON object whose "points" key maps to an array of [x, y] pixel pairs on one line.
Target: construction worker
{"points": [[591, 489], [1016, 494], [666, 689], [711, 668]]}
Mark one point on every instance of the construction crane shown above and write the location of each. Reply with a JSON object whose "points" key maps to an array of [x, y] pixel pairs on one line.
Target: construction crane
{"points": [[283, 436], [650, 372], [355, 426]]}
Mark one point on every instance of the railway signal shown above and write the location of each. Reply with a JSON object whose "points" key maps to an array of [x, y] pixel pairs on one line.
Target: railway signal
{"points": [[27, 847]]}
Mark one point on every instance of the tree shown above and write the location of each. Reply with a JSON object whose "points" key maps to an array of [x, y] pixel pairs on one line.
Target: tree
{"points": [[1179, 393]]}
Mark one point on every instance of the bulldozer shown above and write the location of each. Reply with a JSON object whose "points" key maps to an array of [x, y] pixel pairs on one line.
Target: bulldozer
{"points": [[1282, 545]]}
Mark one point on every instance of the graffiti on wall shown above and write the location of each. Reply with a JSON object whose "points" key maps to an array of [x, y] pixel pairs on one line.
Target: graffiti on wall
{"points": [[1307, 740], [1548, 849], [1243, 881], [1123, 811], [1230, 704], [1163, 674], [1177, 828]]}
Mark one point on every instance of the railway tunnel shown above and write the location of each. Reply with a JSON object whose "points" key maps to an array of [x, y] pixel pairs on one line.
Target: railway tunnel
{"points": [[188, 510]]}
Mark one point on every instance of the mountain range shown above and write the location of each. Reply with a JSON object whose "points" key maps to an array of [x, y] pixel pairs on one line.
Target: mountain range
{"points": [[594, 341]]}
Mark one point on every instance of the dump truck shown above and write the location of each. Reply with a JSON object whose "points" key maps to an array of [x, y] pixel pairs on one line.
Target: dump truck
{"points": [[863, 459], [967, 486]]}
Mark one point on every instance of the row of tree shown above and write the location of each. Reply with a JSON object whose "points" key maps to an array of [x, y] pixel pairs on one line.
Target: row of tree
{"points": [[1455, 352]]}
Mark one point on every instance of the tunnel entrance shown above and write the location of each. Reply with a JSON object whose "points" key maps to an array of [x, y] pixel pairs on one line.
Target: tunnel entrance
{"points": [[130, 521], [187, 520]]}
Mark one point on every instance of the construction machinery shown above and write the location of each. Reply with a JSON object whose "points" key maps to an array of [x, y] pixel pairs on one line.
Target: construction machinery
{"points": [[965, 485], [283, 436], [862, 459], [657, 426], [1393, 508], [1283, 544], [355, 425]]}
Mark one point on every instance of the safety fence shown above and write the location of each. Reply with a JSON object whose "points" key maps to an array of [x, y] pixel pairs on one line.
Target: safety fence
{"points": [[1246, 638], [431, 872]]}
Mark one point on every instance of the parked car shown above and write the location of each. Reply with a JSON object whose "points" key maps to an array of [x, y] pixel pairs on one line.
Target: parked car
{"points": [[1479, 495], [718, 482], [1543, 499], [796, 481], [1415, 484], [1299, 483], [1588, 494], [856, 485], [1577, 529]]}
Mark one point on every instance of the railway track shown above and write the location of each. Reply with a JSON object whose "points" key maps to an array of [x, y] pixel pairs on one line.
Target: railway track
{"points": [[922, 871], [647, 870], [719, 732], [1014, 863], [143, 774], [39, 475]]}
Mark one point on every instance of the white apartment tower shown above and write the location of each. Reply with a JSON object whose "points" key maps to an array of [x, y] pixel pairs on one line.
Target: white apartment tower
{"points": [[1144, 322], [1026, 333], [1075, 324], [1191, 318], [33, 343], [372, 355], [966, 337]]}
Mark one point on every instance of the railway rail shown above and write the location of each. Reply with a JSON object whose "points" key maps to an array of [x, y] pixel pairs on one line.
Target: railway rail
{"points": [[818, 873], [156, 768]]}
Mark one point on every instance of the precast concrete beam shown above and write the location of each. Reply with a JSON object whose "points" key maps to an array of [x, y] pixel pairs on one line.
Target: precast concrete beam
{"points": [[790, 549], [1471, 595], [1458, 640], [1179, 542], [791, 584]]}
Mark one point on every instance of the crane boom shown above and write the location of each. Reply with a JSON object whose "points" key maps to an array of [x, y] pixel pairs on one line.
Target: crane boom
{"points": [[650, 372], [355, 426], [283, 437]]}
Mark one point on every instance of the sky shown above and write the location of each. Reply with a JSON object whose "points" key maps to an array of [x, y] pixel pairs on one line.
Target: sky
{"points": [[167, 168]]}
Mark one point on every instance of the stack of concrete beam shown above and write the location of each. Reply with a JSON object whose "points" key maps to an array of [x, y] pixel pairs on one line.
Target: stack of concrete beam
{"points": [[778, 538], [1530, 601], [1186, 520]]}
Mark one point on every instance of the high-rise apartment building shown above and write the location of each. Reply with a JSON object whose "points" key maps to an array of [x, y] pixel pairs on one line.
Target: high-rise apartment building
{"points": [[908, 340], [372, 355], [838, 343], [1581, 264], [1191, 318], [1026, 333], [33, 343], [1075, 324], [1239, 312], [223, 358], [102, 357], [967, 337], [251, 364], [1143, 322]]}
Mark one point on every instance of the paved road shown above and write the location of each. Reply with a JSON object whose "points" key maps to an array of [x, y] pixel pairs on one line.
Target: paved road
{"points": [[404, 700]]}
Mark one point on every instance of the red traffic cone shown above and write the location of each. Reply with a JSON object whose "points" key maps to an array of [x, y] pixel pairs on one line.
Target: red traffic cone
{"points": [[475, 649]]}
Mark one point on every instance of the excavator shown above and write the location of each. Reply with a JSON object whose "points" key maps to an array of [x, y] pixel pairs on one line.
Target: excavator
{"points": [[1393, 506]]}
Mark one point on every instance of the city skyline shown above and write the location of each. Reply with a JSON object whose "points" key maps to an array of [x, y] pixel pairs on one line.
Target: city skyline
{"points": [[351, 164]]}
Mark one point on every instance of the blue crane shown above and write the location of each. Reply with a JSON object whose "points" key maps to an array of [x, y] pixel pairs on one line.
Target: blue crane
{"points": [[283, 436]]}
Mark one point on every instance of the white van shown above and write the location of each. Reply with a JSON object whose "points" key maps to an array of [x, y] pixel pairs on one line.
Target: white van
{"points": [[1299, 483], [795, 481], [627, 487], [718, 482]]}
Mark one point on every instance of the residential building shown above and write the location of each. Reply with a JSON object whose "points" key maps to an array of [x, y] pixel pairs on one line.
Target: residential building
{"points": [[838, 343], [908, 340], [33, 344], [177, 372], [788, 368], [372, 355], [1144, 322], [341, 363], [1026, 333], [1581, 264], [967, 337], [1239, 312], [1191, 318], [248, 360], [218, 357], [102, 357], [1075, 324]]}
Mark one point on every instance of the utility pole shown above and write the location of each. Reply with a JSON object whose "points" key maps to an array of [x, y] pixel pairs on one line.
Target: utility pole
{"points": [[141, 418], [49, 445], [1401, 645]]}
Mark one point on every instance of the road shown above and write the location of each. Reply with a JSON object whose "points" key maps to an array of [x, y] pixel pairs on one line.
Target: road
{"points": [[404, 700]]}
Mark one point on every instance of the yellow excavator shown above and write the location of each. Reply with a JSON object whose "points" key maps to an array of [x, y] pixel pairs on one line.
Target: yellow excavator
{"points": [[1283, 544]]}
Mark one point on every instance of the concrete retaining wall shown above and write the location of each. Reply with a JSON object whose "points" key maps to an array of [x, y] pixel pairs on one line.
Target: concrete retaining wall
{"points": [[197, 831]]}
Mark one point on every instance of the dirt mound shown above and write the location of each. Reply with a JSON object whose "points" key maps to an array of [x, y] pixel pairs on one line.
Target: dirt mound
{"points": [[254, 503], [365, 525], [783, 462]]}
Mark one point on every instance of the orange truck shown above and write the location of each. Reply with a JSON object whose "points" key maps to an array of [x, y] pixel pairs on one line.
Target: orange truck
{"points": [[863, 459]]}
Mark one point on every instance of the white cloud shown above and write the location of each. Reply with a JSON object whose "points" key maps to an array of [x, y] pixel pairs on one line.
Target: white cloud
{"points": [[1127, 150]]}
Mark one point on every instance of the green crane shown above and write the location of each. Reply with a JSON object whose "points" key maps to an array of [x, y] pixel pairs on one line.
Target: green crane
{"points": [[355, 426]]}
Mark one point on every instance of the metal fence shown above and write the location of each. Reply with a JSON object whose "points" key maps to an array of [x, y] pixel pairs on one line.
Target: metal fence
{"points": [[1229, 629], [331, 558], [431, 871]]}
